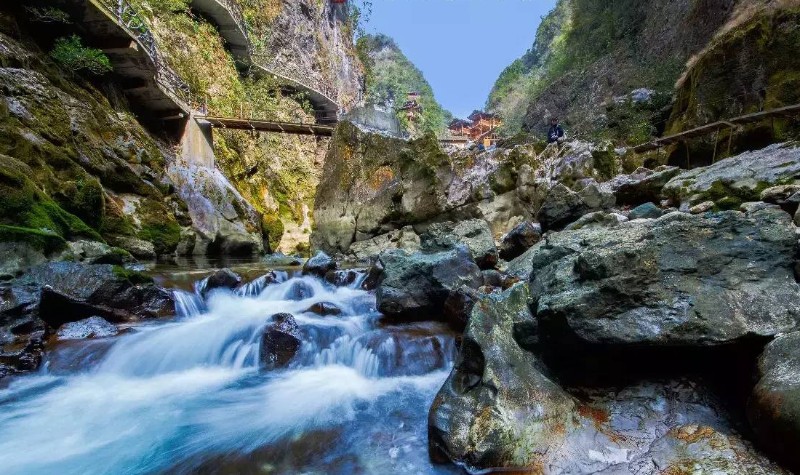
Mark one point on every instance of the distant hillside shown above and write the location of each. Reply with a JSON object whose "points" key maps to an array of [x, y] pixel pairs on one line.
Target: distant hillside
{"points": [[587, 53], [511, 93], [390, 76]]}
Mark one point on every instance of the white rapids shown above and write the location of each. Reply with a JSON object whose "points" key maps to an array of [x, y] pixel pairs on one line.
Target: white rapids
{"points": [[188, 396]]}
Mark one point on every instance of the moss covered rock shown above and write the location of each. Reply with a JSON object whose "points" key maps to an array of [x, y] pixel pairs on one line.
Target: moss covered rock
{"points": [[28, 214], [749, 67], [373, 184], [737, 180]]}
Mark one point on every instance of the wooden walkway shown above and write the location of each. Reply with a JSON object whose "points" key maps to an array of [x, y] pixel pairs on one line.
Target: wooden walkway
{"points": [[228, 16], [707, 129], [153, 88], [268, 126]]}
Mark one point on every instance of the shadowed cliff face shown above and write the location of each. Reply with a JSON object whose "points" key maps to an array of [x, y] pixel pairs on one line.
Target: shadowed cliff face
{"points": [[315, 40]]}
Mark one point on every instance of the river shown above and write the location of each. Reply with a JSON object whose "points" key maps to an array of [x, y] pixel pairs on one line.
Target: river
{"points": [[187, 395]]}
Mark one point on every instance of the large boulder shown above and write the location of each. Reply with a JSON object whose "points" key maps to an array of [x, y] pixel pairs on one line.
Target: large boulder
{"points": [[72, 292], [678, 280], [521, 238], [738, 179], [774, 408], [642, 186], [500, 411], [280, 342], [319, 265], [492, 377], [372, 183], [562, 205], [405, 239], [473, 233], [416, 286]]}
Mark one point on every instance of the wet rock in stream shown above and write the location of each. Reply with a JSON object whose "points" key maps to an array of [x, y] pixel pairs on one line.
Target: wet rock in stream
{"points": [[280, 342]]}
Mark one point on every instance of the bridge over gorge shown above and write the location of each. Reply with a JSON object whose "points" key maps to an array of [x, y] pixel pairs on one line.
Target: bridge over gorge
{"points": [[156, 92]]}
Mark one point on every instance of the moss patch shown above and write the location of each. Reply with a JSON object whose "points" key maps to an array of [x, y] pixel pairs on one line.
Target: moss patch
{"points": [[131, 276], [24, 206], [42, 240]]}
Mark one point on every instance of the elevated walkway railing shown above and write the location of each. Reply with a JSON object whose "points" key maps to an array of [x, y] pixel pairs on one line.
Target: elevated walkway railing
{"points": [[128, 18], [707, 129], [236, 12], [291, 74]]}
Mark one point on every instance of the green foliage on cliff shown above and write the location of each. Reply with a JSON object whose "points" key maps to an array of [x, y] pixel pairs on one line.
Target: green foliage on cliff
{"points": [[71, 53], [515, 86], [275, 173], [589, 52], [750, 68], [390, 76], [28, 214]]}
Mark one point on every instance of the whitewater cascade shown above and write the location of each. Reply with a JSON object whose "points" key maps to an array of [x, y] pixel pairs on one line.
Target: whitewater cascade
{"points": [[188, 395]]}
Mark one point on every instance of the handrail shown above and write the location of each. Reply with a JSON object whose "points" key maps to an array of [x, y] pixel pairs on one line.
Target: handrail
{"points": [[716, 126], [131, 21], [272, 66]]}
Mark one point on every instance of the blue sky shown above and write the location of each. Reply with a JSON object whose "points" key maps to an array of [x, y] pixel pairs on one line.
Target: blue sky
{"points": [[460, 45]]}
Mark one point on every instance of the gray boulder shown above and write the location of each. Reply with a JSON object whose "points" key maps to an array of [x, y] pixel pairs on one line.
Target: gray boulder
{"points": [[280, 342], [71, 292], [496, 408], [645, 211], [738, 179], [92, 327], [774, 407], [415, 287], [678, 280], [93, 252], [19, 257], [319, 265], [562, 205], [474, 233], [641, 186], [521, 238], [499, 411], [405, 239]]}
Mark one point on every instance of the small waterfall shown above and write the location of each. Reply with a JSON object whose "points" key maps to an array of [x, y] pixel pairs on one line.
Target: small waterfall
{"points": [[177, 395], [254, 288], [187, 304]]}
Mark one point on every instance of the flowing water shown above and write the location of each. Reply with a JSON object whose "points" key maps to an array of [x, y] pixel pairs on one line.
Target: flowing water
{"points": [[188, 395]]}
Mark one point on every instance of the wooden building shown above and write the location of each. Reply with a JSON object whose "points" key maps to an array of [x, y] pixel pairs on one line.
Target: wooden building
{"points": [[412, 107], [459, 127], [479, 128]]}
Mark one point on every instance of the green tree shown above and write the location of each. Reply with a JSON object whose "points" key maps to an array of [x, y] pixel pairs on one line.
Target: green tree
{"points": [[71, 53]]}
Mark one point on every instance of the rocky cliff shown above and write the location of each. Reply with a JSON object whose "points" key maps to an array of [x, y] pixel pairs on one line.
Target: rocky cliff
{"points": [[75, 162], [275, 173], [378, 191], [589, 55], [745, 69]]}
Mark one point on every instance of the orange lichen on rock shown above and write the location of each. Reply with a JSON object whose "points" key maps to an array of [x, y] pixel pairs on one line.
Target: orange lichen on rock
{"points": [[380, 177]]}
